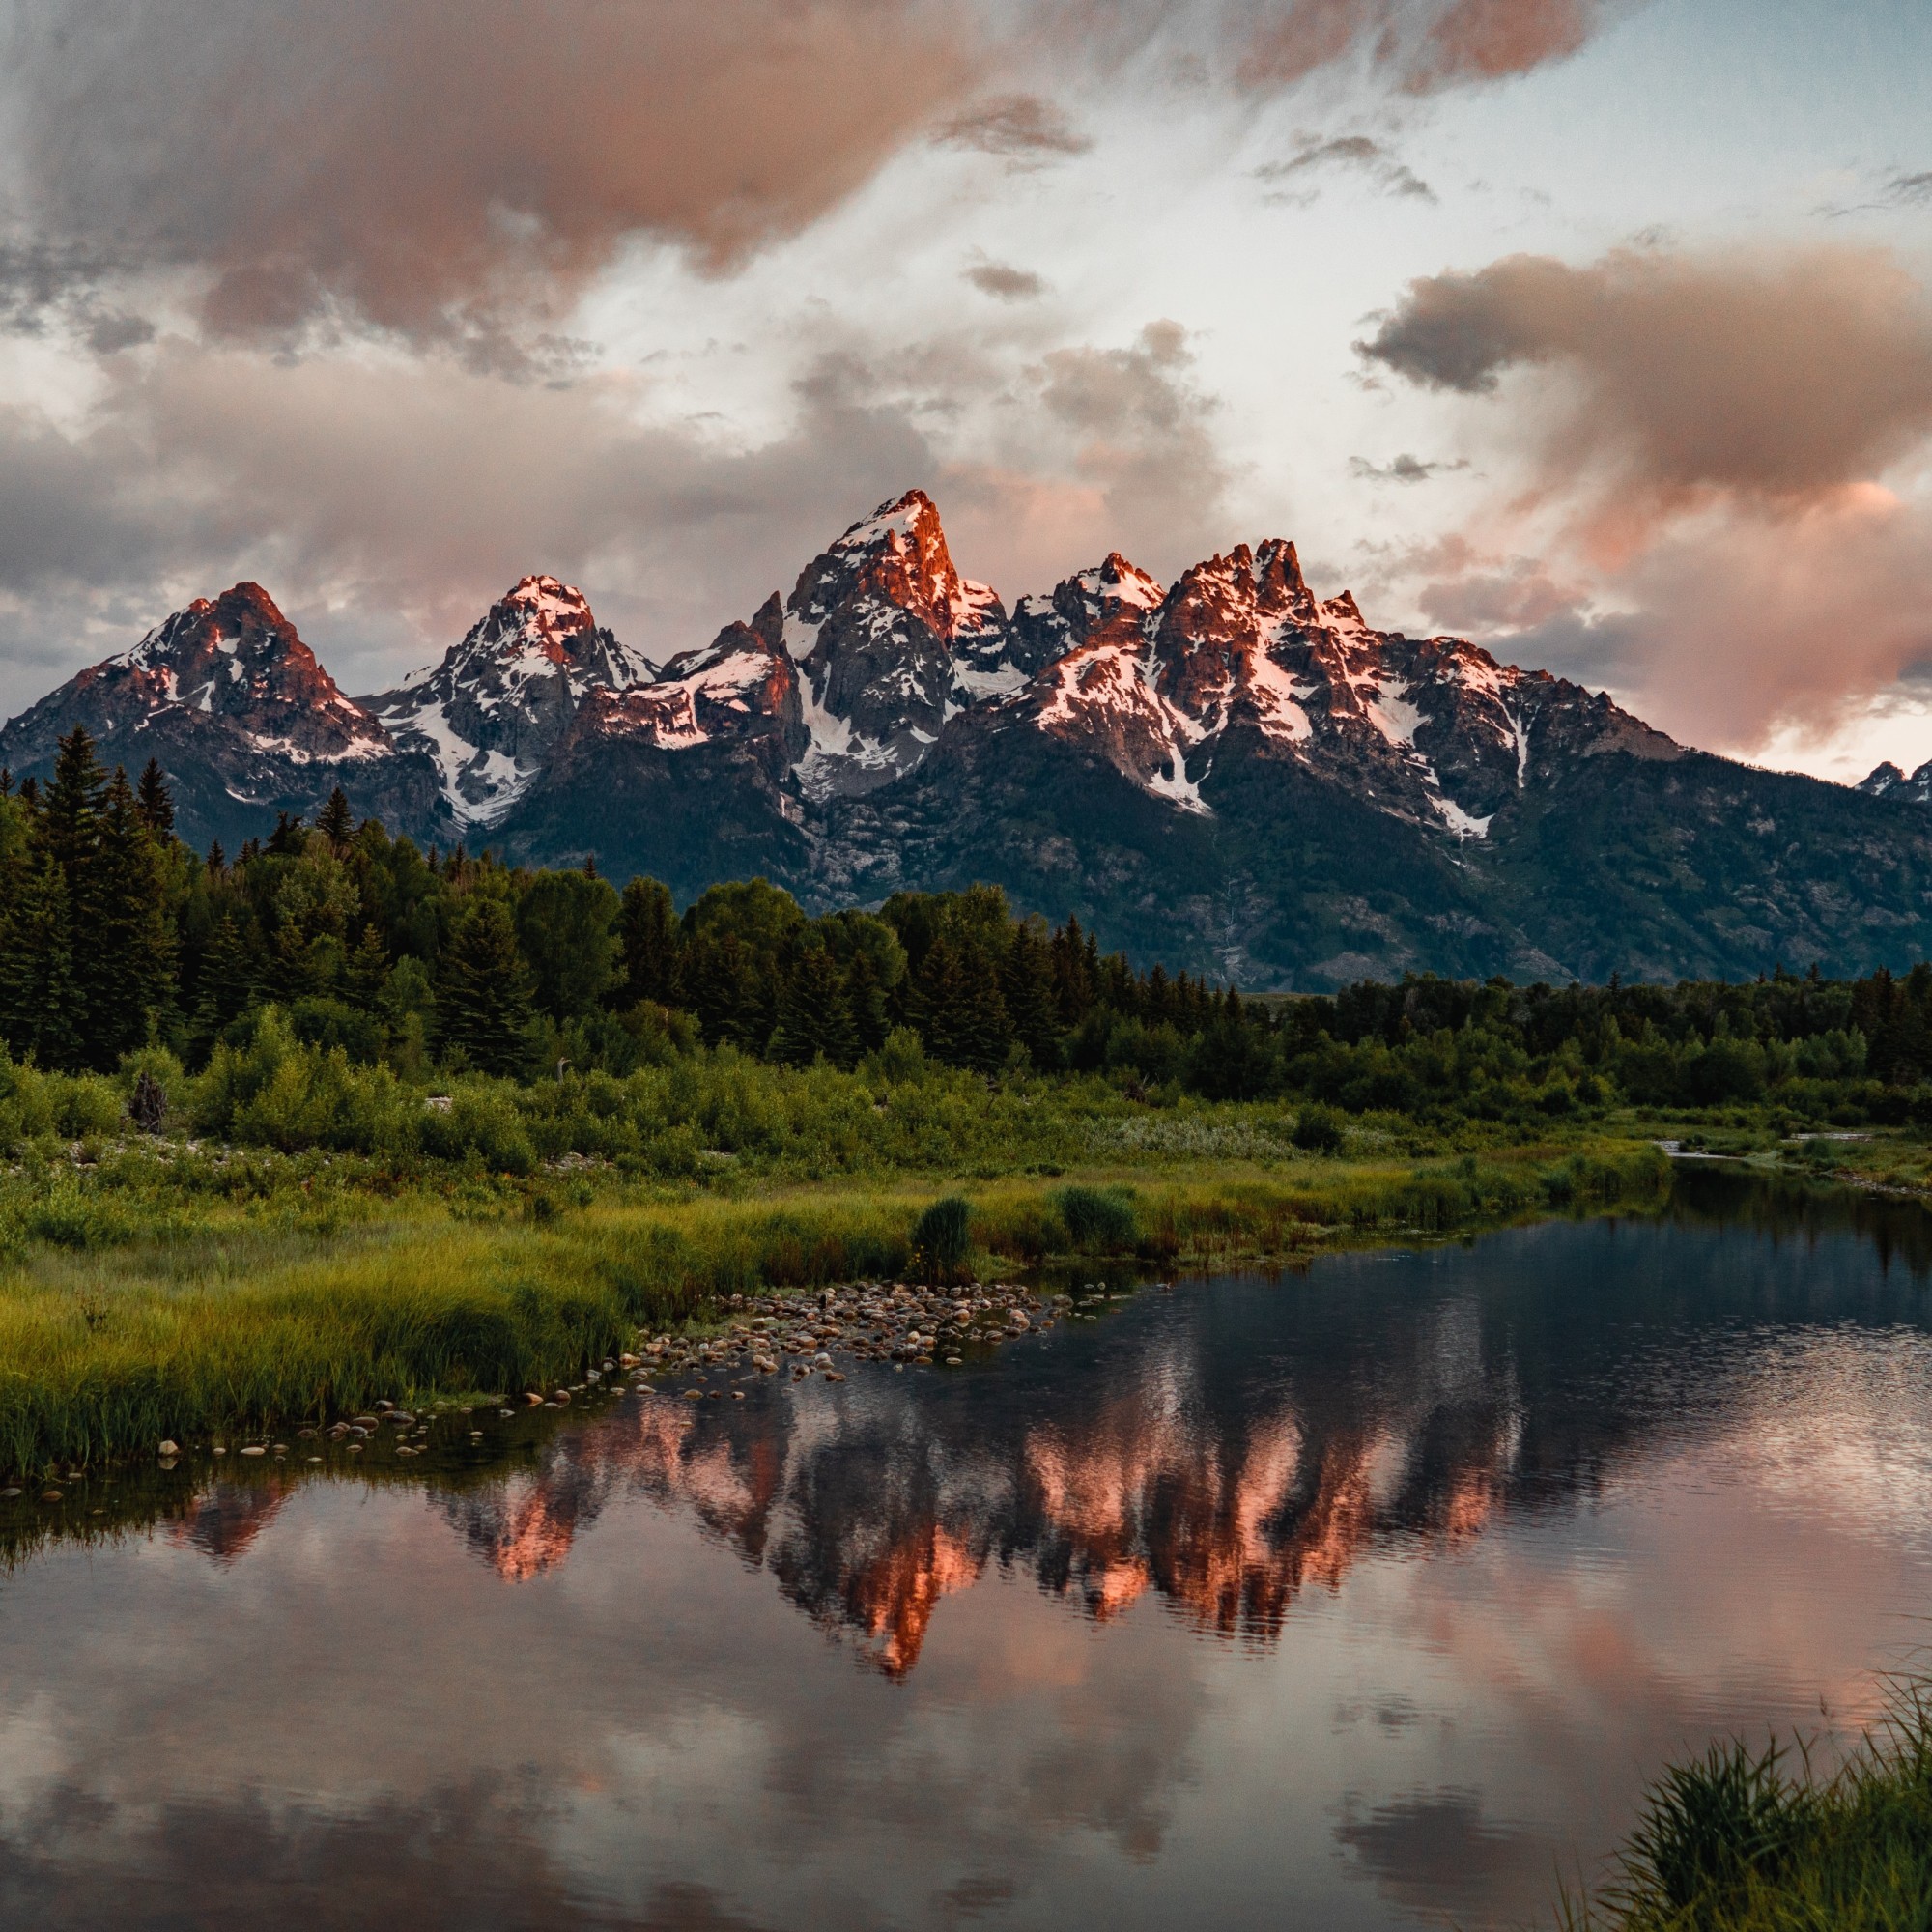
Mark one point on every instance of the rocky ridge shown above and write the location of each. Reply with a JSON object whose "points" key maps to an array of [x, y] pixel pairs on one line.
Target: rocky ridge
{"points": [[1230, 773]]}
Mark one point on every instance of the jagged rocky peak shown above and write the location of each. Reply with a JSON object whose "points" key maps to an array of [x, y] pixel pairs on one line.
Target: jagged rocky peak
{"points": [[500, 704], [1106, 604], [890, 640], [1241, 658], [236, 658], [1888, 782], [541, 628], [899, 556], [742, 686]]}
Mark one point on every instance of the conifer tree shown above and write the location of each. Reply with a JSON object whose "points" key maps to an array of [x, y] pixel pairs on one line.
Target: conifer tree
{"points": [[156, 803], [69, 814], [230, 978], [369, 968], [123, 961], [957, 1006], [869, 1002], [484, 990], [1026, 984], [338, 823], [813, 1016], [648, 933], [38, 1003]]}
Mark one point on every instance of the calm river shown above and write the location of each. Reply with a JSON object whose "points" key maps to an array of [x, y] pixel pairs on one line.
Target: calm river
{"points": [[1361, 1597]]}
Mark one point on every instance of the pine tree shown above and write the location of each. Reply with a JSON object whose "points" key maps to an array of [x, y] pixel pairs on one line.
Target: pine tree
{"points": [[484, 990], [124, 965], [39, 1002], [647, 931], [338, 823], [1026, 984], [229, 980], [157, 802], [814, 1016]]}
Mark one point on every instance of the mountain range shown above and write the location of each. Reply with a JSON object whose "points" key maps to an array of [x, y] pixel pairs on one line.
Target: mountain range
{"points": [[1227, 773]]}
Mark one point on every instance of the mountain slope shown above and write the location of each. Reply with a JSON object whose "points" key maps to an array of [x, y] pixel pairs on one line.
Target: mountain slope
{"points": [[1230, 773], [241, 716], [494, 712]]}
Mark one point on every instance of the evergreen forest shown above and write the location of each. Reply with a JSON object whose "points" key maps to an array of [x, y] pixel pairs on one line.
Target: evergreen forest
{"points": [[357, 950]]}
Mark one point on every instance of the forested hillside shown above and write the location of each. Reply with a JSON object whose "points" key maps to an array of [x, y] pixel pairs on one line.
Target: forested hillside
{"points": [[119, 938]]}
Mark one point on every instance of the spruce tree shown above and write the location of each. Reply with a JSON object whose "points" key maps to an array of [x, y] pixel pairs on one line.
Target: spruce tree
{"points": [[369, 968], [38, 1003], [69, 814], [1026, 983], [484, 989], [814, 1016], [647, 930], [156, 803], [124, 963], [957, 1006], [228, 979], [338, 823]]}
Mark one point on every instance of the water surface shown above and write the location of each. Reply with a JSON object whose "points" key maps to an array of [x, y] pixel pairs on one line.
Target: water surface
{"points": [[1361, 1597]]}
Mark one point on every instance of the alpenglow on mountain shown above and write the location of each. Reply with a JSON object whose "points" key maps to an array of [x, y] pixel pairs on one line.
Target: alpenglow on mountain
{"points": [[1227, 773]]}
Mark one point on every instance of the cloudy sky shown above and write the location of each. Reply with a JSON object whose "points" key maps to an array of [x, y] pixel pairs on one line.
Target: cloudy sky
{"points": [[1598, 330]]}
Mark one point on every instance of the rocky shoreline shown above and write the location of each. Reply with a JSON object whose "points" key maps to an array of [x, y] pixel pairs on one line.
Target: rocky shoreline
{"points": [[864, 1321]]}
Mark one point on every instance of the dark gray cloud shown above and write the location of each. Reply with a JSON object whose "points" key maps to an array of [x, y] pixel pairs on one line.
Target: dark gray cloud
{"points": [[1402, 469], [1355, 152], [1004, 282]]}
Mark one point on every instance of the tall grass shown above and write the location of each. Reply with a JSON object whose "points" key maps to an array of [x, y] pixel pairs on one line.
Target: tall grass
{"points": [[151, 1299], [1744, 1841]]}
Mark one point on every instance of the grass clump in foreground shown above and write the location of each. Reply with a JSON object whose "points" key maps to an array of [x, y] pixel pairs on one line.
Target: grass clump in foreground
{"points": [[1735, 1842], [154, 1299]]}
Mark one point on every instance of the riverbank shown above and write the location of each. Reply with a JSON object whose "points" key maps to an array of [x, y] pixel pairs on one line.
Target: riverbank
{"points": [[167, 1293], [1744, 1841]]}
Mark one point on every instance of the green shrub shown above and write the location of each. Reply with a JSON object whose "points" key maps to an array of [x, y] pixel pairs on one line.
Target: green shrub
{"points": [[1318, 1129], [941, 1237], [1096, 1220]]}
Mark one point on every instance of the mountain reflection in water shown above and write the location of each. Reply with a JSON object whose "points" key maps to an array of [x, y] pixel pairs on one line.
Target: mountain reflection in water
{"points": [[1226, 1457], [1355, 1599]]}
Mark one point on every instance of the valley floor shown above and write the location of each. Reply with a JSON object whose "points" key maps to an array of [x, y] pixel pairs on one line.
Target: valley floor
{"points": [[158, 1291]]}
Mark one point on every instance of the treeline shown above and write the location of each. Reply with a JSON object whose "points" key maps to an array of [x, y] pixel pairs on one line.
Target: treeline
{"points": [[114, 937]]}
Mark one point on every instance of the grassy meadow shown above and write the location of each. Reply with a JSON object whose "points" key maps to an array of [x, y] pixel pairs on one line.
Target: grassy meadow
{"points": [[347, 1240]]}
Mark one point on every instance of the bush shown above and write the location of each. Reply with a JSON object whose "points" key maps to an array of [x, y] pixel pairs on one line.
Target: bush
{"points": [[1096, 1220], [941, 1237], [1318, 1129]]}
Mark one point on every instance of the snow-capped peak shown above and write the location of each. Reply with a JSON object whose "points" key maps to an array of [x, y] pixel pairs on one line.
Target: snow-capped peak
{"points": [[498, 706]]}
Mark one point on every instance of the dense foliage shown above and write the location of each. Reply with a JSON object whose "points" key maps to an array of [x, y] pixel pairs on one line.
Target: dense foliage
{"points": [[333, 974], [1757, 1841]]}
